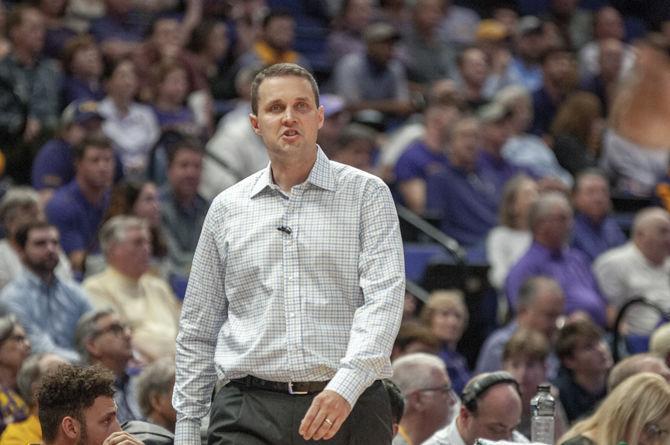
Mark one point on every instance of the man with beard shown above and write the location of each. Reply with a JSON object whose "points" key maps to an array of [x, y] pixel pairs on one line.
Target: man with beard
{"points": [[76, 407], [46, 305]]}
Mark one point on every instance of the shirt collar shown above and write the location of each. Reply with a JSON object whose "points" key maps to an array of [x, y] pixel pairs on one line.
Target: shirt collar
{"points": [[321, 175]]}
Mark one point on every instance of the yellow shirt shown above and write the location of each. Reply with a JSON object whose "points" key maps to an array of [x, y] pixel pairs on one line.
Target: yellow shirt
{"points": [[147, 304], [23, 433]]}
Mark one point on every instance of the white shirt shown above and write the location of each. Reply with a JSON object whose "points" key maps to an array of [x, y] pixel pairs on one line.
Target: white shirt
{"points": [[449, 435], [319, 300], [504, 247], [624, 273], [133, 134]]}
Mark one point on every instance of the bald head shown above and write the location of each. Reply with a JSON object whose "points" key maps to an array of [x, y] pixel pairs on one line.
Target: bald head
{"points": [[497, 415], [636, 364], [651, 234]]}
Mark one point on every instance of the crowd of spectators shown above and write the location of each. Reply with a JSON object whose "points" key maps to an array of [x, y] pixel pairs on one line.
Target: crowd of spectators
{"points": [[533, 133]]}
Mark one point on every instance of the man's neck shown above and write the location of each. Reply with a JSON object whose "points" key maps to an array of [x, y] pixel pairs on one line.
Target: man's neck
{"points": [[287, 173], [416, 429], [119, 369], [460, 428], [92, 195]]}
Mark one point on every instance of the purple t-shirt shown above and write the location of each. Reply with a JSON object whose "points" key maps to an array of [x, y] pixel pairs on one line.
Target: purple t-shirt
{"points": [[53, 166], [418, 161], [570, 268], [77, 219]]}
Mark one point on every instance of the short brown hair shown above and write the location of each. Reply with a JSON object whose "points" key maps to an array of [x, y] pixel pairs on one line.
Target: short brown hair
{"points": [[574, 332], [93, 140], [67, 391], [413, 331], [526, 343], [281, 70]]}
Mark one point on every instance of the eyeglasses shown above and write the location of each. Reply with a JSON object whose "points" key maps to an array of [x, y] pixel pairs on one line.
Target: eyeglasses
{"points": [[444, 389], [114, 328]]}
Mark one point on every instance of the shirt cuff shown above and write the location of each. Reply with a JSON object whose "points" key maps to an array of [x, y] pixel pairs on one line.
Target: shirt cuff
{"points": [[350, 384], [187, 432]]}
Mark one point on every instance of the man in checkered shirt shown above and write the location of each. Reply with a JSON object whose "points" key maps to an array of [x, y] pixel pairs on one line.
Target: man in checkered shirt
{"points": [[296, 292]]}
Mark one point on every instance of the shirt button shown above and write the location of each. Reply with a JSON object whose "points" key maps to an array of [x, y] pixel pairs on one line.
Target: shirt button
{"points": [[291, 314], [290, 278]]}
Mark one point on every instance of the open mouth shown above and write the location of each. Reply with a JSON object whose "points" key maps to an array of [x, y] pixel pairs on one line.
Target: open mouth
{"points": [[290, 133]]}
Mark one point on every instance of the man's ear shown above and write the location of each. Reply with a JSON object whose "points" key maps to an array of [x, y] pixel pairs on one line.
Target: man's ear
{"points": [[92, 347], [254, 123], [70, 427]]}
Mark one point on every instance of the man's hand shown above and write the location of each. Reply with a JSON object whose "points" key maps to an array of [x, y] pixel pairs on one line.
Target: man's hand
{"points": [[121, 438], [325, 416]]}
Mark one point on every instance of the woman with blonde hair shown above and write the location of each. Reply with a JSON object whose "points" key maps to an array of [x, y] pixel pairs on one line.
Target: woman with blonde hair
{"points": [[637, 412], [446, 315]]}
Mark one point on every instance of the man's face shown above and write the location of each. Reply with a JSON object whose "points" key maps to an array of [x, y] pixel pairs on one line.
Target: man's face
{"points": [[542, 313], [29, 35], [436, 400], [41, 252], [592, 197], [590, 356], [654, 238], [463, 149], [556, 226], [288, 119], [559, 67], [280, 33], [381, 52], [498, 414], [166, 32], [185, 171], [96, 168], [111, 340], [133, 251], [529, 372], [99, 422], [474, 67]]}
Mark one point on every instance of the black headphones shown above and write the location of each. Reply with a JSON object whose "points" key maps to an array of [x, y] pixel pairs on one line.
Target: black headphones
{"points": [[477, 387]]}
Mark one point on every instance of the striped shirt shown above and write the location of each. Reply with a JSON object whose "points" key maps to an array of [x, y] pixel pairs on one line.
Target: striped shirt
{"points": [[301, 287]]}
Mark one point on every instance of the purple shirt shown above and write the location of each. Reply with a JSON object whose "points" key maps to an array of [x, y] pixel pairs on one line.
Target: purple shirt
{"points": [[594, 239], [419, 161], [77, 89], [570, 268], [496, 171], [466, 203], [77, 219]]}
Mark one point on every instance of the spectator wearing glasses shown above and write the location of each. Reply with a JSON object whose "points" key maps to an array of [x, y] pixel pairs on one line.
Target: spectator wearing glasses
{"points": [[636, 412], [429, 398], [103, 339], [14, 349]]}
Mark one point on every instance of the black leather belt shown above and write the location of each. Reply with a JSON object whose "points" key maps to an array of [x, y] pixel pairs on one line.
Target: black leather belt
{"points": [[297, 388]]}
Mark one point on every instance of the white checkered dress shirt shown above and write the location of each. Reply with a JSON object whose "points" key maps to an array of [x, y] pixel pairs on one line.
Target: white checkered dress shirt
{"points": [[321, 302]]}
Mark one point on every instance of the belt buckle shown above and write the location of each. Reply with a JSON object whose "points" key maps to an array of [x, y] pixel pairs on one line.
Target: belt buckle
{"points": [[291, 391]]}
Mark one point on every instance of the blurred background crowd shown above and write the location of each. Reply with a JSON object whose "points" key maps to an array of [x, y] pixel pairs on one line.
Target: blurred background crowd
{"points": [[525, 142]]}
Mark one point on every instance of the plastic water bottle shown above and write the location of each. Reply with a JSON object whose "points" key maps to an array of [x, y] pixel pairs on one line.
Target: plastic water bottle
{"points": [[542, 411]]}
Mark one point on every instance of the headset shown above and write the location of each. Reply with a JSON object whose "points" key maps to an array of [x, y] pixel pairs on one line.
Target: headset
{"points": [[474, 390]]}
